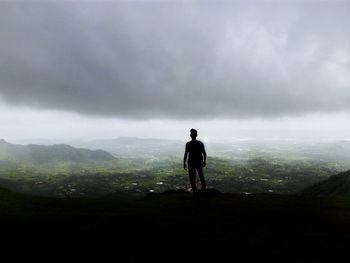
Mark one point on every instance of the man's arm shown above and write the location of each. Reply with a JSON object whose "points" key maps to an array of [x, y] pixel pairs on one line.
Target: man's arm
{"points": [[185, 157], [204, 157]]}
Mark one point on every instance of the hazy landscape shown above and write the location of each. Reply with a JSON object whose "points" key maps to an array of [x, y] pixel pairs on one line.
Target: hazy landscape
{"points": [[132, 167], [270, 201]]}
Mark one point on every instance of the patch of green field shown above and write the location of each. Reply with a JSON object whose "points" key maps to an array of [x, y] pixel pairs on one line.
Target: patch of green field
{"points": [[135, 177]]}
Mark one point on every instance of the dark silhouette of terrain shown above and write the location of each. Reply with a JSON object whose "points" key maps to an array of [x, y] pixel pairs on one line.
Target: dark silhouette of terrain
{"points": [[337, 186], [172, 227]]}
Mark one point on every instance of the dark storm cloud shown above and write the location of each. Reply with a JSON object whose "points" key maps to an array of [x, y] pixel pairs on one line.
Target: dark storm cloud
{"points": [[172, 60]]}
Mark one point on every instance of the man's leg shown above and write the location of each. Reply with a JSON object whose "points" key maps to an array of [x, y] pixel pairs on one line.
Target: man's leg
{"points": [[201, 177], [192, 175]]}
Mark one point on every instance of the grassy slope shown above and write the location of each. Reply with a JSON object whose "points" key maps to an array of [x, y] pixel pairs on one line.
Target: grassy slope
{"points": [[335, 186], [173, 227]]}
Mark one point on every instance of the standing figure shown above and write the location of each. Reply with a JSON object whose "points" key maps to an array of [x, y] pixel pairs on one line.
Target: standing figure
{"points": [[196, 160]]}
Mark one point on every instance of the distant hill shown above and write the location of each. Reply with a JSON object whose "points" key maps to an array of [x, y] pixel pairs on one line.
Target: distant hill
{"points": [[131, 146], [336, 186], [40, 154]]}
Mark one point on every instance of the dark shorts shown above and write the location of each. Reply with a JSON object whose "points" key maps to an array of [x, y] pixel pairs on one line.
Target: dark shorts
{"points": [[192, 167]]}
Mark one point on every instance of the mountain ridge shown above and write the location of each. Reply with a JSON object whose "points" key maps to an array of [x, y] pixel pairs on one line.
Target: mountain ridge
{"points": [[39, 154], [335, 186]]}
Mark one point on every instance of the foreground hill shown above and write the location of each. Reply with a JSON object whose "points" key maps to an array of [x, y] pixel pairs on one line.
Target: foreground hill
{"points": [[173, 227], [336, 186], [39, 154]]}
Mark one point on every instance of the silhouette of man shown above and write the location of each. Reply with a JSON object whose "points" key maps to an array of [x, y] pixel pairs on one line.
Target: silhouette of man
{"points": [[196, 160]]}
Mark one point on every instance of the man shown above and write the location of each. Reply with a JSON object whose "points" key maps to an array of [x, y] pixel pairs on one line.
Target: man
{"points": [[196, 160]]}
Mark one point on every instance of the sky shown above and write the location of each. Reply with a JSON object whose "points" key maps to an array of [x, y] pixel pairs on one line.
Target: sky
{"points": [[232, 69]]}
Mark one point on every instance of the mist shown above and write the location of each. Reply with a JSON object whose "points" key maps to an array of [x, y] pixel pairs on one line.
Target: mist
{"points": [[26, 125]]}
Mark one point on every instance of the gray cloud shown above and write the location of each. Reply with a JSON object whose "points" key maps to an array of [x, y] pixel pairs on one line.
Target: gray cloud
{"points": [[172, 60]]}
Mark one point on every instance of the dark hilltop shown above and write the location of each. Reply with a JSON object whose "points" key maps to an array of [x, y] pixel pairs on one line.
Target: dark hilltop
{"points": [[173, 227]]}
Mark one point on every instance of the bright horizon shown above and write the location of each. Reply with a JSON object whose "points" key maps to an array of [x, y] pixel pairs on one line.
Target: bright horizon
{"points": [[29, 125]]}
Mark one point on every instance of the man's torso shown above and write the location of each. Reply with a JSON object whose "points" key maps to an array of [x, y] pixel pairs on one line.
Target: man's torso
{"points": [[195, 151]]}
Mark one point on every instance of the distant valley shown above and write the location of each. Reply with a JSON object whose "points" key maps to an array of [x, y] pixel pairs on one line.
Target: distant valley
{"points": [[133, 167]]}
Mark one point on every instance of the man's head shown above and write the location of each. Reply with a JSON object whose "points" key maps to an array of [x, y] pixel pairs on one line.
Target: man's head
{"points": [[193, 133]]}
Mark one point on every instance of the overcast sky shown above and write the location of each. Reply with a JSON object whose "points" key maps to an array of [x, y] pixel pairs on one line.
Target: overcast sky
{"points": [[98, 69]]}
